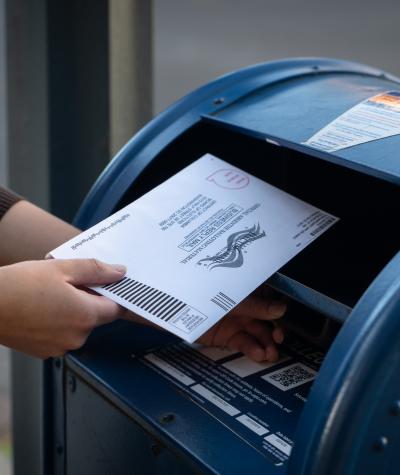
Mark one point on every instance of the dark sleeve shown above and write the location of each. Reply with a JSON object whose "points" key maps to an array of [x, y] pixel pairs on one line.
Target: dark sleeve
{"points": [[7, 199]]}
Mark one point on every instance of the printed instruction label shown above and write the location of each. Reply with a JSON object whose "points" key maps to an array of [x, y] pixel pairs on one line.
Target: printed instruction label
{"points": [[375, 118], [260, 402]]}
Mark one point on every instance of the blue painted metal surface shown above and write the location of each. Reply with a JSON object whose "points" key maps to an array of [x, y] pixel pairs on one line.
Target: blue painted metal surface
{"points": [[310, 297], [296, 109], [353, 403], [232, 89], [350, 424], [205, 445]]}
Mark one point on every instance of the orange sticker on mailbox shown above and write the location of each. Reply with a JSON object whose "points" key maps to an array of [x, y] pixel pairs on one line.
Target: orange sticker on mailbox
{"points": [[375, 118]]}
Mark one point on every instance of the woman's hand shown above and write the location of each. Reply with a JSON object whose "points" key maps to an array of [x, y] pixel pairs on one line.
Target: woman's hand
{"points": [[250, 327], [247, 329], [43, 312]]}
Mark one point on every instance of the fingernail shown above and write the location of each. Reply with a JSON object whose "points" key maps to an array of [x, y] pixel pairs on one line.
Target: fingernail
{"points": [[119, 268], [278, 309], [278, 336]]}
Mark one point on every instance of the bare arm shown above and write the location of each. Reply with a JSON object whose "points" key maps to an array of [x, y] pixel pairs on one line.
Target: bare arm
{"points": [[29, 233]]}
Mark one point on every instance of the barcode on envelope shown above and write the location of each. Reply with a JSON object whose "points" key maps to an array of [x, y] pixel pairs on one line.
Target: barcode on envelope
{"points": [[328, 221], [154, 301], [223, 301]]}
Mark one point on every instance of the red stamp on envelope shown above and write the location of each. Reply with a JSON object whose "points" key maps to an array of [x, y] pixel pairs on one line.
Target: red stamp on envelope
{"points": [[229, 178]]}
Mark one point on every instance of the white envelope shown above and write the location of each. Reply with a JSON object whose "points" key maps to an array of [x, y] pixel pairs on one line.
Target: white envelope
{"points": [[198, 244]]}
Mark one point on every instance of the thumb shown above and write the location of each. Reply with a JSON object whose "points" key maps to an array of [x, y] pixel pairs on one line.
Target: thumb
{"points": [[91, 271]]}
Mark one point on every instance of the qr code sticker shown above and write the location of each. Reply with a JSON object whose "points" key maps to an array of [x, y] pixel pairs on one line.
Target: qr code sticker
{"points": [[291, 376]]}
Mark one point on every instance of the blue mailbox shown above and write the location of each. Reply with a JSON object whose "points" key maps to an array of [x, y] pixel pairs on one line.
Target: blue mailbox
{"points": [[125, 403]]}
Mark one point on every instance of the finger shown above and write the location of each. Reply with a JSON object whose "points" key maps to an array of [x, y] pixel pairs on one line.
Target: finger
{"points": [[263, 333], [222, 332], [132, 317], [248, 345], [104, 309], [262, 309], [278, 333], [91, 271]]}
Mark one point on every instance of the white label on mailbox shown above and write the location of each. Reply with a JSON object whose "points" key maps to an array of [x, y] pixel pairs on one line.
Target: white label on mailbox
{"points": [[215, 353], [213, 398], [243, 366], [198, 244], [375, 118], [252, 424], [291, 376], [169, 369], [279, 443]]}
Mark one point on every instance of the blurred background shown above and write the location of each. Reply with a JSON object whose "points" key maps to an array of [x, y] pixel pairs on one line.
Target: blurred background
{"points": [[79, 77]]}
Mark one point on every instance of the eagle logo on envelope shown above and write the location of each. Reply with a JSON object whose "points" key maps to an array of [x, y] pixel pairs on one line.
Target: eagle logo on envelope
{"points": [[232, 254]]}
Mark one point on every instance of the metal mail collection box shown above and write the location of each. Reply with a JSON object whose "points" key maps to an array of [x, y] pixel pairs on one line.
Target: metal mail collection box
{"points": [[125, 403]]}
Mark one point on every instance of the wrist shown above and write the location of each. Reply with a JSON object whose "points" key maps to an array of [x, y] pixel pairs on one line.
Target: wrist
{"points": [[6, 304]]}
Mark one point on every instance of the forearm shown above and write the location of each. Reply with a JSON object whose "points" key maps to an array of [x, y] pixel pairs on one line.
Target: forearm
{"points": [[28, 233]]}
